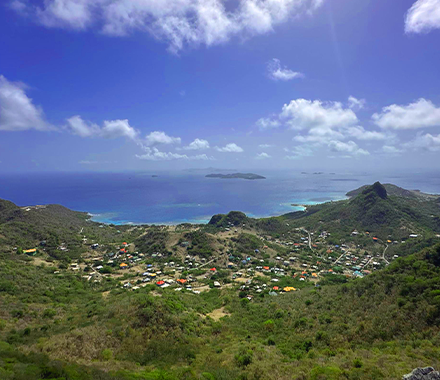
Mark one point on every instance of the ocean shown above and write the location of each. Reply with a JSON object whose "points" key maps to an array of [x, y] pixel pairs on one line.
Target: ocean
{"points": [[172, 198]]}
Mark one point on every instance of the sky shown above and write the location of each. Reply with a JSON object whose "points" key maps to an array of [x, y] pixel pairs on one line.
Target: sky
{"points": [[118, 85]]}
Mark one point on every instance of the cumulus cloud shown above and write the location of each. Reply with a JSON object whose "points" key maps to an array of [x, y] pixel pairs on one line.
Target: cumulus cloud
{"points": [[298, 152], [17, 110], [178, 22], [154, 154], [423, 16], [360, 133], [262, 156], [419, 114], [356, 104], [390, 149], [347, 147], [267, 123], [161, 138], [230, 148], [425, 142], [307, 114], [277, 72], [264, 146], [197, 144], [111, 128]]}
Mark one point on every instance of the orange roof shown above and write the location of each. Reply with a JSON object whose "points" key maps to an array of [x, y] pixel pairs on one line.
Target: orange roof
{"points": [[266, 268], [123, 265], [330, 270], [375, 238], [124, 243], [275, 288], [181, 280], [314, 275]]}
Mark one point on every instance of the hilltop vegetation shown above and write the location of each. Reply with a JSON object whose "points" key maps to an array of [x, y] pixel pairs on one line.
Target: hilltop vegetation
{"points": [[269, 317]]}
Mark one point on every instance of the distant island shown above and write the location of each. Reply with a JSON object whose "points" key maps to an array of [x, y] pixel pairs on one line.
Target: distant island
{"points": [[236, 175]]}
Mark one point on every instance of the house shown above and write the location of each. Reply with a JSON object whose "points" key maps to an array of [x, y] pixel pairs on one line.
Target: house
{"points": [[217, 284], [30, 252], [289, 289], [413, 236], [160, 283], [213, 269], [123, 266]]}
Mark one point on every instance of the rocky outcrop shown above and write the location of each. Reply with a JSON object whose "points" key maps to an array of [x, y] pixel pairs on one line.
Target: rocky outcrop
{"points": [[427, 373]]}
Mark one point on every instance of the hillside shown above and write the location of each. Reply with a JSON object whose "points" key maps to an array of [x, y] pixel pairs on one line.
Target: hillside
{"points": [[397, 191], [372, 210], [296, 296]]}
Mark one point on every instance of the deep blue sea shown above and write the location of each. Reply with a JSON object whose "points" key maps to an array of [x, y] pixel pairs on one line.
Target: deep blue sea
{"points": [[190, 197]]}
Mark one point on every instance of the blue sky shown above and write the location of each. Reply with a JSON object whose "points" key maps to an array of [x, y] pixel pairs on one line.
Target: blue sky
{"points": [[152, 85]]}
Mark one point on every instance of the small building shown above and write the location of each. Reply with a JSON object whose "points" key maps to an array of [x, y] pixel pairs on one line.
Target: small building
{"points": [[30, 252]]}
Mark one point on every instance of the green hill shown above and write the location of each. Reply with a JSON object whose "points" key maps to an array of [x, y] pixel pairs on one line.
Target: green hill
{"points": [[373, 210]]}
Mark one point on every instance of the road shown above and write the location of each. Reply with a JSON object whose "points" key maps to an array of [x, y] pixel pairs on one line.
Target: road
{"points": [[383, 255], [339, 258]]}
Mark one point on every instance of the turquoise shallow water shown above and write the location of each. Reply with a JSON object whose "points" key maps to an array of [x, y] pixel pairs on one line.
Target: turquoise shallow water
{"points": [[182, 197]]}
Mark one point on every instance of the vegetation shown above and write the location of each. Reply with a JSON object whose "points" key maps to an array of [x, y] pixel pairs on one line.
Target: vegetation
{"points": [[57, 323]]}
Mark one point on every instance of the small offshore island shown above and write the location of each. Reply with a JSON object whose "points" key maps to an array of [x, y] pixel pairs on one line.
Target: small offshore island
{"points": [[236, 175]]}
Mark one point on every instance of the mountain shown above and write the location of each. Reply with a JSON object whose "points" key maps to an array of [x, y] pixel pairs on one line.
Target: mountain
{"points": [[397, 191], [373, 209]]}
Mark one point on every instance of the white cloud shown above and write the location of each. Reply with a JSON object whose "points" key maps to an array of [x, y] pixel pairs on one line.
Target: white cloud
{"points": [[356, 104], [153, 154], [17, 111], [426, 142], [347, 147], [178, 22], [158, 137], [230, 148], [277, 72], [423, 16], [389, 149], [197, 144], [420, 114], [262, 156], [110, 130], [307, 114], [360, 133], [299, 151], [267, 123], [265, 146], [118, 128]]}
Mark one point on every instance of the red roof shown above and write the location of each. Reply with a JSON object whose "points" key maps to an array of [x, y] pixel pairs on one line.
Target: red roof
{"points": [[266, 268], [275, 288], [160, 282], [213, 269]]}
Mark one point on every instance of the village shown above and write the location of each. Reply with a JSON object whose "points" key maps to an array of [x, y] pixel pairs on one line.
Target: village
{"points": [[277, 266]]}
